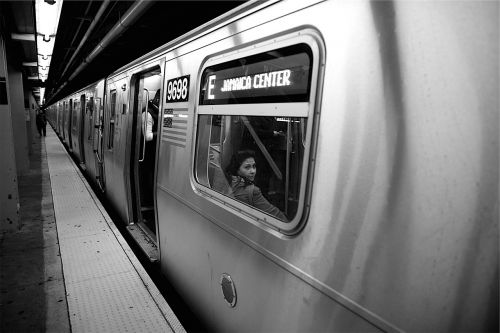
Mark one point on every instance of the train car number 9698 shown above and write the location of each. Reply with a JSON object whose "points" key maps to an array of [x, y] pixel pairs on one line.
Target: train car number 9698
{"points": [[178, 89]]}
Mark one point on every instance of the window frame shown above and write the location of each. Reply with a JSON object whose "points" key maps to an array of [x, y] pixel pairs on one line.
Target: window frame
{"points": [[112, 117], [306, 110]]}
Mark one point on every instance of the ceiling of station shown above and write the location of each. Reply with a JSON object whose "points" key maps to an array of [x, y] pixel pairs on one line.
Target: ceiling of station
{"points": [[158, 23]]}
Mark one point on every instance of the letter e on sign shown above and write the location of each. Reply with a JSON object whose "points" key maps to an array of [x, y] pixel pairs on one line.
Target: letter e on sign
{"points": [[211, 86]]}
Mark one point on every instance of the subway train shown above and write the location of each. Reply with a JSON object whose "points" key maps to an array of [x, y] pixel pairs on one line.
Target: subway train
{"points": [[304, 166]]}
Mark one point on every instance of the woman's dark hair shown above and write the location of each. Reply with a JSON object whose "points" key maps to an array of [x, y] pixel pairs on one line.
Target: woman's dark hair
{"points": [[156, 99], [237, 159]]}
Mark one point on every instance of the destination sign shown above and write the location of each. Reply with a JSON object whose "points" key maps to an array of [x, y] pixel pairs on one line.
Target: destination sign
{"points": [[281, 75], [257, 81]]}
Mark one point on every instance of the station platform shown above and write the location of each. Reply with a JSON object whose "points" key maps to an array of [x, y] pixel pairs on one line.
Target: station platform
{"points": [[65, 267]]}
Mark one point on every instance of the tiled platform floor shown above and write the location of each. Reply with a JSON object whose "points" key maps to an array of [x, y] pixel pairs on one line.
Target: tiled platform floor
{"points": [[66, 268]]}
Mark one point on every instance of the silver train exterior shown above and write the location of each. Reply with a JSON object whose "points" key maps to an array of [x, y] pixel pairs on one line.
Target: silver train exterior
{"points": [[388, 119]]}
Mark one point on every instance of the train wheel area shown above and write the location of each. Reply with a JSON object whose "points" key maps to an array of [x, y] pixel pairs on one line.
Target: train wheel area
{"points": [[65, 266]]}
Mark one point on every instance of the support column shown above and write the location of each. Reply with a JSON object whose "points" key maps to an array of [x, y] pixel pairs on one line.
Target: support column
{"points": [[16, 94], [9, 195]]}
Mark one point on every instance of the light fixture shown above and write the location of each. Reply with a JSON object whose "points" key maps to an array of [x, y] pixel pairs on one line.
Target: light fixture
{"points": [[43, 71], [42, 94], [44, 46], [43, 62], [47, 20]]}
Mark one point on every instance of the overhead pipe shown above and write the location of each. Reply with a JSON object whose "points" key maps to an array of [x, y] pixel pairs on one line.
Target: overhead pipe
{"points": [[97, 17], [132, 14]]}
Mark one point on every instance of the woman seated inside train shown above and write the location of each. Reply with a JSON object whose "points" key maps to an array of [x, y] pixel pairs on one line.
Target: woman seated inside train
{"points": [[241, 174]]}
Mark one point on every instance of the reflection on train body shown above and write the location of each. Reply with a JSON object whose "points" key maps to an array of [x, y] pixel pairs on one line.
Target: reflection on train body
{"points": [[310, 165]]}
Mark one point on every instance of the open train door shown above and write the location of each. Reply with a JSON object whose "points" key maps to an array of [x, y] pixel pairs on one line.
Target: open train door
{"points": [[70, 125], [143, 154], [83, 111], [99, 141]]}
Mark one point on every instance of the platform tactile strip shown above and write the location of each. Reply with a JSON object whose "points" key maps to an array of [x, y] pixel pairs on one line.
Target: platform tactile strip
{"points": [[107, 288], [114, 303]]}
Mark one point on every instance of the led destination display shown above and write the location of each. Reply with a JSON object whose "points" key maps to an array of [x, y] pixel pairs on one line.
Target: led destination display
{"points": [[257, 81], [281, 75]]}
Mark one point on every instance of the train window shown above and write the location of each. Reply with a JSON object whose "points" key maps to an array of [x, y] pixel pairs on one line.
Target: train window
{"points": [[274, 148], [112, 114], [254, 128]]}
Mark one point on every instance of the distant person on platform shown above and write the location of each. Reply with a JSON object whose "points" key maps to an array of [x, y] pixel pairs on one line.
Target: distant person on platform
{"points": [[41, 123]]}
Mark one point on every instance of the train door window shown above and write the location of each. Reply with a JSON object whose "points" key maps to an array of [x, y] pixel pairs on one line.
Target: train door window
{"points": [[90, 111], [112, 114], [74, 115], [254, 130]]}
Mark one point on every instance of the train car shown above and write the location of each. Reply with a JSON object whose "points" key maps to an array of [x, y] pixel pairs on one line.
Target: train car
{"points": [[312, 165]]}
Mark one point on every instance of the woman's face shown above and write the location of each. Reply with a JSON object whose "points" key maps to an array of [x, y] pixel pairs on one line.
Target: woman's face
{"points": [[248, 169]]}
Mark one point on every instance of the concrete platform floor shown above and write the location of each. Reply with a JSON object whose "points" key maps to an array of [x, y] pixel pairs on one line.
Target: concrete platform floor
{"points": [[32, 292]]}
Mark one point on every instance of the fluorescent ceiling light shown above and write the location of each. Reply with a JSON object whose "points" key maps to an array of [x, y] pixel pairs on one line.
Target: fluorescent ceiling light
{"points": [[47, 17], [47, 20], [43, 70], [45, 48], [43, 62]]}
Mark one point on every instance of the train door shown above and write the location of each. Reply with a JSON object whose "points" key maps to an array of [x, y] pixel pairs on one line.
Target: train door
{"points": [[144, 143], [99, 142], [70, 118], [81, 138], [63, 121], [56, 125]]}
